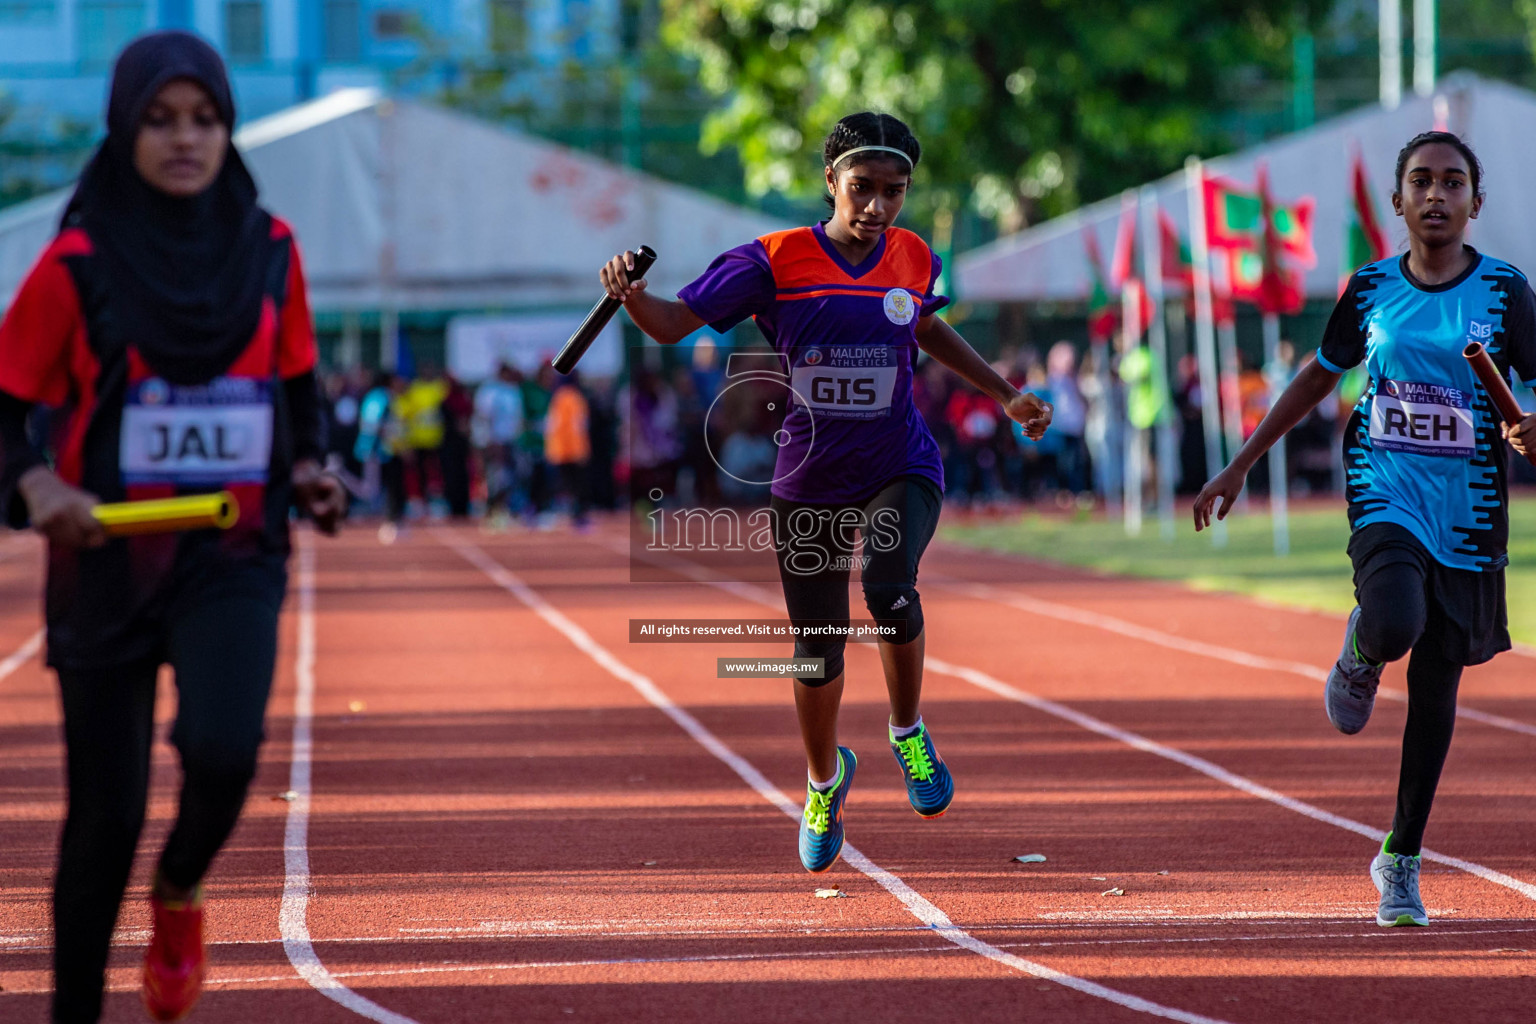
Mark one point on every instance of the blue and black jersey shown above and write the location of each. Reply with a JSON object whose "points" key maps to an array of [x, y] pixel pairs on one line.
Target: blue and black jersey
{"points": [[1423, 447]]}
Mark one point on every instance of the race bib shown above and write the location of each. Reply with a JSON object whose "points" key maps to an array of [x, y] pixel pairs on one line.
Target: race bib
{"points": [[216, 433], [850, 382], [1427, 419]]}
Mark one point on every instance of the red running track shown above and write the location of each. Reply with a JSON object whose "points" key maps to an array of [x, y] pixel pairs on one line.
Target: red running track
{"points": [[503, 825]]}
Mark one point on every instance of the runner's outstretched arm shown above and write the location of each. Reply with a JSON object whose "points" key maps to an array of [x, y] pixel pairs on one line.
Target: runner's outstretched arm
{"points": [[1314, 383], [666, 320], [945, 344]]}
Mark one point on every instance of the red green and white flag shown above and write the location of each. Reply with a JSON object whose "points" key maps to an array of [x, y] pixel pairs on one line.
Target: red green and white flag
{"points": [[1364, 241], [1102, 314], [1233, 215], [1291, 230], [1178, 262], [1281, 289], [1123, 277], [1235, 220]]}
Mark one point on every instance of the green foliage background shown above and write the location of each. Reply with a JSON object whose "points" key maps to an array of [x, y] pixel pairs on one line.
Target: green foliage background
{"points": [[1026, 109]]}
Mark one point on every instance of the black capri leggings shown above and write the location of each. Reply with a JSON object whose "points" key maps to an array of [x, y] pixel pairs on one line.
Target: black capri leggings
{"points": [[220, 637], [1443, 619], [817, 550]]}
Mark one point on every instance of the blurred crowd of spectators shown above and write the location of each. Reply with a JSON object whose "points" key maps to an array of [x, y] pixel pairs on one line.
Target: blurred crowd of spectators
{"points": [[533, 448], [432, 446]]}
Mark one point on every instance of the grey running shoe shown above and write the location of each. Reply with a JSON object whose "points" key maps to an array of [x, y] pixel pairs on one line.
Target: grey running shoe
{"points": [[1397, 879], [1351, 691]]}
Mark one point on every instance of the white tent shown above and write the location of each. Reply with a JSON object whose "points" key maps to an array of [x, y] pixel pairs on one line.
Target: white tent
{"points": [[1048, 262], [403, 206]]}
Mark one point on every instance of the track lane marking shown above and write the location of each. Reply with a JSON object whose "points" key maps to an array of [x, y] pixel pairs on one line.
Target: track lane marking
{"points": [[1049, 921], [26, 652], [915, 903], [1377, 935], [1147, 634], [1214, 771], [1210, 769], [293, 923]]}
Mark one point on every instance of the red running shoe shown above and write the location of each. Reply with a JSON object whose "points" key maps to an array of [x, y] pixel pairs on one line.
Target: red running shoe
{"points": [[175, 965]]}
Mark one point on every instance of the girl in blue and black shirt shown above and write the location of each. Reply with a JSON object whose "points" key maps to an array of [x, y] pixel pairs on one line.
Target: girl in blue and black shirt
{"points": [[1426, 462]]}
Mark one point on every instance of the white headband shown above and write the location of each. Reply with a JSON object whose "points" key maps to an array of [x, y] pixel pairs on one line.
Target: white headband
{"points": [[873, 149]]}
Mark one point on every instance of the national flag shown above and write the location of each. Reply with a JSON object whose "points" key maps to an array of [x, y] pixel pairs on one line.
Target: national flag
{"points": [[1364, 241], [1226, 267], [1123, 265], [1102, 315], [1178, 261], [1280, 286], [1122, 272], [1235, 219], [1232, 214], [1137, 292], [1244, 274], [1292, 229]]}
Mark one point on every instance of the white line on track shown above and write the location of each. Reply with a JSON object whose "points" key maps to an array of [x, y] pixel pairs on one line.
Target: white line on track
{"points": [[816, 954], [1143, 919], [915, 903], [23, 654], [1212, 770], [293, 921], [1208, 768], [1108, 623], [1376, 935]]}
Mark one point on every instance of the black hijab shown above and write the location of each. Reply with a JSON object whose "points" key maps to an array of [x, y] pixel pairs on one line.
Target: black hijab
{"points": [[186, 276]]}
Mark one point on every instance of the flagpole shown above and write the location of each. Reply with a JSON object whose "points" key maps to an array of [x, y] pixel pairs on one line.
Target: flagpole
{"points": [[1157, 339], [1231, 388], [1130, 327], [1205, 329], [1389, 22], [1423, 47], [1279, 504]]}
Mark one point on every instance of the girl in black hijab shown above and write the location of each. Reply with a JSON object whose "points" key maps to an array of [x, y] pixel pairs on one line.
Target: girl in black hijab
{"points": [[168, 319]]}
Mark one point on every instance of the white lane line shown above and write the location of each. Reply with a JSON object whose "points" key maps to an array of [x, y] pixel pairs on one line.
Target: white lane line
{"points": [[918, 906], [23, 654], [293, 921], [1143, 919], [1213, 770], [1376, 935], [1131, 739], [1079, 616]]}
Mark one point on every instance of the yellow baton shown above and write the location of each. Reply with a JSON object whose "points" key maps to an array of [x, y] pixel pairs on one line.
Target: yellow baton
{"points": [[168, 515]]}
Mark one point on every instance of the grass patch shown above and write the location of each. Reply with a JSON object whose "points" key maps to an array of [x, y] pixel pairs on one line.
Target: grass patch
{"points": [[1316, 574]]}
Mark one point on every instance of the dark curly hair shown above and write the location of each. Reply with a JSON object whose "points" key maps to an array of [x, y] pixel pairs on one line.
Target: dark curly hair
{"points": [[1475, 168], [867, 128]]}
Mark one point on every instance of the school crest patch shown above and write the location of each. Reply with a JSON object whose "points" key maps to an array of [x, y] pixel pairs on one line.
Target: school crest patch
{"points": [[899, 307]]}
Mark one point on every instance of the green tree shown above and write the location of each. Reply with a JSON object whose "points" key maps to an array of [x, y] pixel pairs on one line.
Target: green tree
{"points": [[34, 161], [640, 106], [1026, 107]]}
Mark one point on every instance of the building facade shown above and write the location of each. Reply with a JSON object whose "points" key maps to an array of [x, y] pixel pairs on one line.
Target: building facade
{"points": [[55, 55]]}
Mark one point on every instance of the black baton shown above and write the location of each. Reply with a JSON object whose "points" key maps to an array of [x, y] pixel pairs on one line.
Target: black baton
{"points": [[601, 313]]}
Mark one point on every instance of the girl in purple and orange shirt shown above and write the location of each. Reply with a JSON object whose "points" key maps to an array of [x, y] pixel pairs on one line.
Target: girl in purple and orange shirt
{"points": [[846, 304]]}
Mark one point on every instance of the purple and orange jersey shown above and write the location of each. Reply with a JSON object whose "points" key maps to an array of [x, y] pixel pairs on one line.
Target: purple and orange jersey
{"points": [[849, 335]]}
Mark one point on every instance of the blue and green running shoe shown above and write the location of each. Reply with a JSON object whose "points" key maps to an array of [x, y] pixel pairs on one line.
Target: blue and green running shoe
{"points": [[1350, 693], [1397, 879], [821, 823], [929, 785]]}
